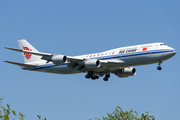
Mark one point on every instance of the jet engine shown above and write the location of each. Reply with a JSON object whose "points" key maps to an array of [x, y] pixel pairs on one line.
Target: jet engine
{"points": [[126, 72], [59, 59], [92, 63]]}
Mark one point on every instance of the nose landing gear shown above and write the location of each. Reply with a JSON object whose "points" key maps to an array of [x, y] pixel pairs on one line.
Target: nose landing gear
{"points": [[159, 67]]}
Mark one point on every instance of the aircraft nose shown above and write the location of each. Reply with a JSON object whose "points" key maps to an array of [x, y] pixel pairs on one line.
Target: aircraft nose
{"points": [[173, 52], [170, 54]]}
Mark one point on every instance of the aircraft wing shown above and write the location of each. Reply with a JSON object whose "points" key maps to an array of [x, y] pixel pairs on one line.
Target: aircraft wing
{"points": [[75, 62], [45, 56], [78, 64]]}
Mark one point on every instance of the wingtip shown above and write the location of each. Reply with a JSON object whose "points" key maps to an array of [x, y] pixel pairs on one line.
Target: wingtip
{"points": [[8, 48], [6, 61]]}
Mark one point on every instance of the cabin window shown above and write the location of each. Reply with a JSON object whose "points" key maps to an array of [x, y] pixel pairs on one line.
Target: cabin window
{"points": [[162, 44], [121, 51]]}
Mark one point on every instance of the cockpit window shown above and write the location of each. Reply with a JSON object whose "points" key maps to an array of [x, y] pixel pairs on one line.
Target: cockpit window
{"points": [[162, 44]]}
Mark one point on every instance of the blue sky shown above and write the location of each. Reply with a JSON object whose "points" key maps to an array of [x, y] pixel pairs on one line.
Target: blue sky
{"points": [[88, 26]]}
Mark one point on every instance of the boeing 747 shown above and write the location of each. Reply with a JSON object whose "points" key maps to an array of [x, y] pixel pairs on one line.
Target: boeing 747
{"points": [[117, 61]]}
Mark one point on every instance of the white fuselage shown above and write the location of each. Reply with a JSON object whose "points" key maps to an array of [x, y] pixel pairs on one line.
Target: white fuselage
{"points": [[126, 56]]}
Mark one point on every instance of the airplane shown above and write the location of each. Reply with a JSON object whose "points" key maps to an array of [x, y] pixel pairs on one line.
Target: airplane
{"points": [[117, 61]]}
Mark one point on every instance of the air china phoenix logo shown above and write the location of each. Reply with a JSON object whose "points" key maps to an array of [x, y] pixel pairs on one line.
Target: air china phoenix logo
{"points": [[28, 56]]}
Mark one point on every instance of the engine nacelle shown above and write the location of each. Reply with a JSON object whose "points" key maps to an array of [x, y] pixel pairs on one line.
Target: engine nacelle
{"points": [[92, 63], [126, 72], [59, 59]]}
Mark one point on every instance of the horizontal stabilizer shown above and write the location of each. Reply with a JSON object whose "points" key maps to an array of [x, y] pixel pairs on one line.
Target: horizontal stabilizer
{"points": [[30, 52], [21, 64]]}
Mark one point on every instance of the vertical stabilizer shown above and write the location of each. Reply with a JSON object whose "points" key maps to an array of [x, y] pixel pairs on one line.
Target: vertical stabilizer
{"points": [[24, 45]]}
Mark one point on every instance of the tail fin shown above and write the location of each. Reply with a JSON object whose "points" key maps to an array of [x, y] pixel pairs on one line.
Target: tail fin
{"points": [[24, 45]]}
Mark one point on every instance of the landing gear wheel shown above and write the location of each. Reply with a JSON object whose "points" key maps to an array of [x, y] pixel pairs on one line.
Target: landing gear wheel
{"points": [[97, 77], [105, 79], [159, 68], [87, 76], [93, 78], [107, 76]]}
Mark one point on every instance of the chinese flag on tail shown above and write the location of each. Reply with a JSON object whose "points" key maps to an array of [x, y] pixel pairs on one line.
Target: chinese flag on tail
{"points": [[144, 49]]}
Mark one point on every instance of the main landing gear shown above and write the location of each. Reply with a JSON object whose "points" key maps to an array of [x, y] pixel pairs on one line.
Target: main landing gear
{"points": [[106, 77], [91, 75], [159, 67]]}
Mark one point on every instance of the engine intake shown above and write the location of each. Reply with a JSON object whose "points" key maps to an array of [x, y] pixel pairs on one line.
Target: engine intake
{"points": [[92, 63], [59, 59], [126, 72]]}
